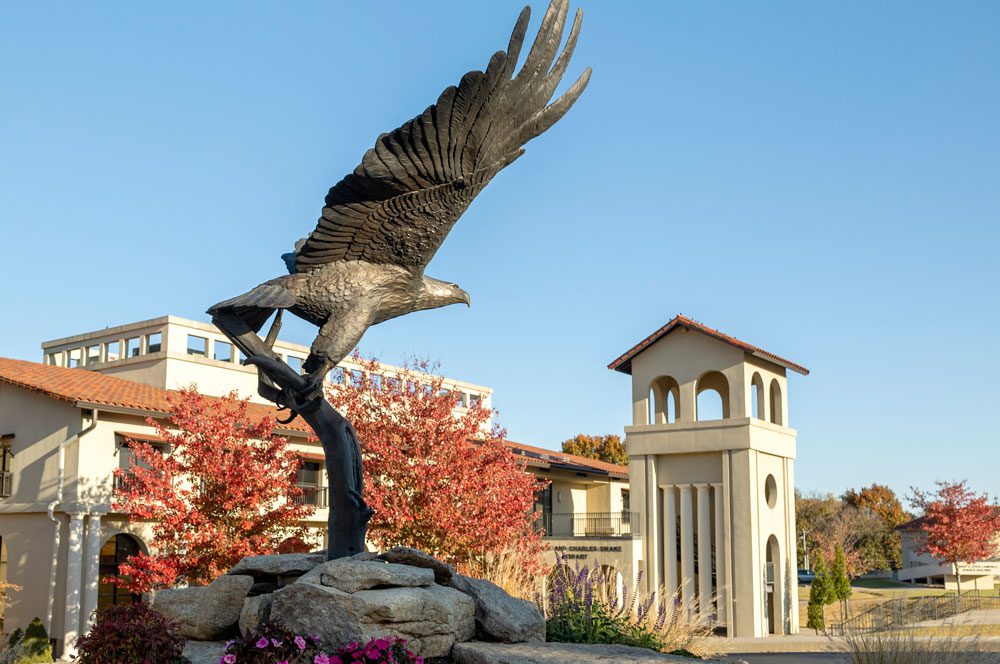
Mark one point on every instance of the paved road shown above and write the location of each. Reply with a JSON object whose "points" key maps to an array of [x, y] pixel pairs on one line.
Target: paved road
{"points": [[786, 658]]}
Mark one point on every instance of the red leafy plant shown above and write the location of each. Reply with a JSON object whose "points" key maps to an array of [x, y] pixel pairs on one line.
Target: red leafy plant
{"points": [[220, 486], [438, 475], [131, 634], [959, 525]]}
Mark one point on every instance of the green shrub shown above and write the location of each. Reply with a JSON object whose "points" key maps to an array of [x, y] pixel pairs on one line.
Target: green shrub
{"points": [[29, 646], [820, 594]]}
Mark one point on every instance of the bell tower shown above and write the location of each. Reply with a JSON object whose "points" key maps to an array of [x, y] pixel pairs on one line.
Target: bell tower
{"points": [[711, 461]]}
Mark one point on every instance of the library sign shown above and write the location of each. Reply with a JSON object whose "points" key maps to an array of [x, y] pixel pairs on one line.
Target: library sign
{"points": [[584, 552]]}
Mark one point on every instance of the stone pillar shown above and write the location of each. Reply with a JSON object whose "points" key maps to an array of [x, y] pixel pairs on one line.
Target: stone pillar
{"points": [[720, 550], [670, 539], [704, 552], [91, 578], [74, 565], [687, 547]]}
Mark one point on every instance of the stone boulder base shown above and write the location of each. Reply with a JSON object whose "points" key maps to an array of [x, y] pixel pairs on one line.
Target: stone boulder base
{"points": [[279, 564], [499, 616], [350, 575], [430, 617], [477, 652], [256, 610], [204, 652], [405, 555], [207, 613]]}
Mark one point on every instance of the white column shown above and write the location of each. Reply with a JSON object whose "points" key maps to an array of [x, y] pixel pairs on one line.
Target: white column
{"points": [[670, 538], [74, 565], [92, 568], [687, 547], [652, 525], [720, 548], [704, 552]]}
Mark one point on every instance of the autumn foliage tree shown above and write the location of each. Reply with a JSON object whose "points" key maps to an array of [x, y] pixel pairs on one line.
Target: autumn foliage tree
{"points": [[219, 487], [960, 526], [880, 549], [437, 479], [608, 447]]}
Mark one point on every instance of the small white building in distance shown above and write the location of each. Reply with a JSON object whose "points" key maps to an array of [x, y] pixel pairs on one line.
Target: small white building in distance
{"points": [[925, 568], [711, 461]]}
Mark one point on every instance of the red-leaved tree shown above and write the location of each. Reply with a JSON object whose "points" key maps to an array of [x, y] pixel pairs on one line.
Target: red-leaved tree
{"points": [[960, 526], [219, 487], [438, 480]]}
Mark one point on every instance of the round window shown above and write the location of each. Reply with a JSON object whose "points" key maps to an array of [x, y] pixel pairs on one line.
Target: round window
{"points": [[770, 491]]}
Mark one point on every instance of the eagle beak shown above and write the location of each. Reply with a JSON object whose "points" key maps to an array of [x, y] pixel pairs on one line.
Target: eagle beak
{"points": [[466, 299]]}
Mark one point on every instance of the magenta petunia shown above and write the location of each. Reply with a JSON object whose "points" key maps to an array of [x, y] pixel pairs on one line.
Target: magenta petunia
{"points": [[300, 643], [262, 642]]}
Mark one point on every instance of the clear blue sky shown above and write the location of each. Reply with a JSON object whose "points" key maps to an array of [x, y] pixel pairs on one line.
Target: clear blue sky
{"points": [[819, 178]]}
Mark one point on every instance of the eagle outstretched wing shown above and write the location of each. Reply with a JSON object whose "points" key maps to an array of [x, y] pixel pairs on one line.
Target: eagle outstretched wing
{"points": [[409, 190]]}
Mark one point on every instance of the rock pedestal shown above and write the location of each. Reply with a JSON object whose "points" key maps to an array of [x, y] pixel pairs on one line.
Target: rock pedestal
{"points": [[355, 600], [402, 592]]}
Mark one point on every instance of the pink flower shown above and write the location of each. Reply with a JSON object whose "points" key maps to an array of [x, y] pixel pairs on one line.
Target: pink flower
{"points": [[228, 659], [262, 642], [300, 642], [382, 644], [322, 658], [277, 642]]}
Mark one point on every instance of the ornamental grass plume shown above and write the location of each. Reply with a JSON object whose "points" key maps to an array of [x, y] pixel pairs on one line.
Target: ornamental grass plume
{"points": [[898, 646], [595, 605]]}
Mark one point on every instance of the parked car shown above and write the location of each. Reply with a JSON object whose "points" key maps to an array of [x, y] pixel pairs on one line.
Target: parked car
{"points": [[806, 576]]}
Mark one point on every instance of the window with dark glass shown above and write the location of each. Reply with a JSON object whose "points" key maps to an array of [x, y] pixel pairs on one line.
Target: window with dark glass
{"points": [[6, 476], [154, 342], [115, 552], [132, 347], [308, 479]]}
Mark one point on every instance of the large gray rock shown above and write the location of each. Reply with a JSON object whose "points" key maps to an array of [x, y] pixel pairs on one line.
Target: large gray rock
{"points": [[207, 613], [477, 652], [256, 610], [431, 618], [500, 616], [279, 564], [204, 652], [405, 555], [351, 575]]}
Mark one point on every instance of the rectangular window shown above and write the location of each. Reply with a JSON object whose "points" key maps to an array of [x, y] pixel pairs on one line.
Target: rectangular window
{"points": [[154, 342], [197, 346], [295, 363], [243, 357], [223, 351], [55, 359], [6, 478], [74, 358], [132, 347], [377, 381], [112, 351], [336, 375], [93, 354], [357, 378], [473, 400]]}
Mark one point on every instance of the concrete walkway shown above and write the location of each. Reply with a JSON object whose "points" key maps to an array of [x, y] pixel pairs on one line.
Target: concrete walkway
{"points": [[973, 617], [801, 643]]}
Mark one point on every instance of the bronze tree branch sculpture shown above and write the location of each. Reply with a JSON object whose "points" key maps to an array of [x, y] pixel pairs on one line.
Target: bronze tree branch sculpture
{"points": [[381, 225]]}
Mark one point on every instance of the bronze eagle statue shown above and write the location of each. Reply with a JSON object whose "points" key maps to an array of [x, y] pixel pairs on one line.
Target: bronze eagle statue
{"points": [[381, 225]]}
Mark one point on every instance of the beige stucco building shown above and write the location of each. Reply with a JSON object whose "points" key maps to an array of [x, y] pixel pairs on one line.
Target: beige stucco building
{"points": [[924, 568], [711, 469], [63, 431]]}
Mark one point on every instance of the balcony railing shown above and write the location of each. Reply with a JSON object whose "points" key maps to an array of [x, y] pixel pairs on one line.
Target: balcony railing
{"points": [[589, 524], [313, 495], [6, 484], [120, 483]]}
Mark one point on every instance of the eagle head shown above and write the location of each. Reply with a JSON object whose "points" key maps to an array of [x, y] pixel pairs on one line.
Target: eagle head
{"points": [[435, 293]]}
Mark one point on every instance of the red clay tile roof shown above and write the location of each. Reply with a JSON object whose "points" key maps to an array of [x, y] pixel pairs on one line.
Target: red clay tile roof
{"points": [[624, 362], [96, 389], [80, 386], [544, 458]]}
